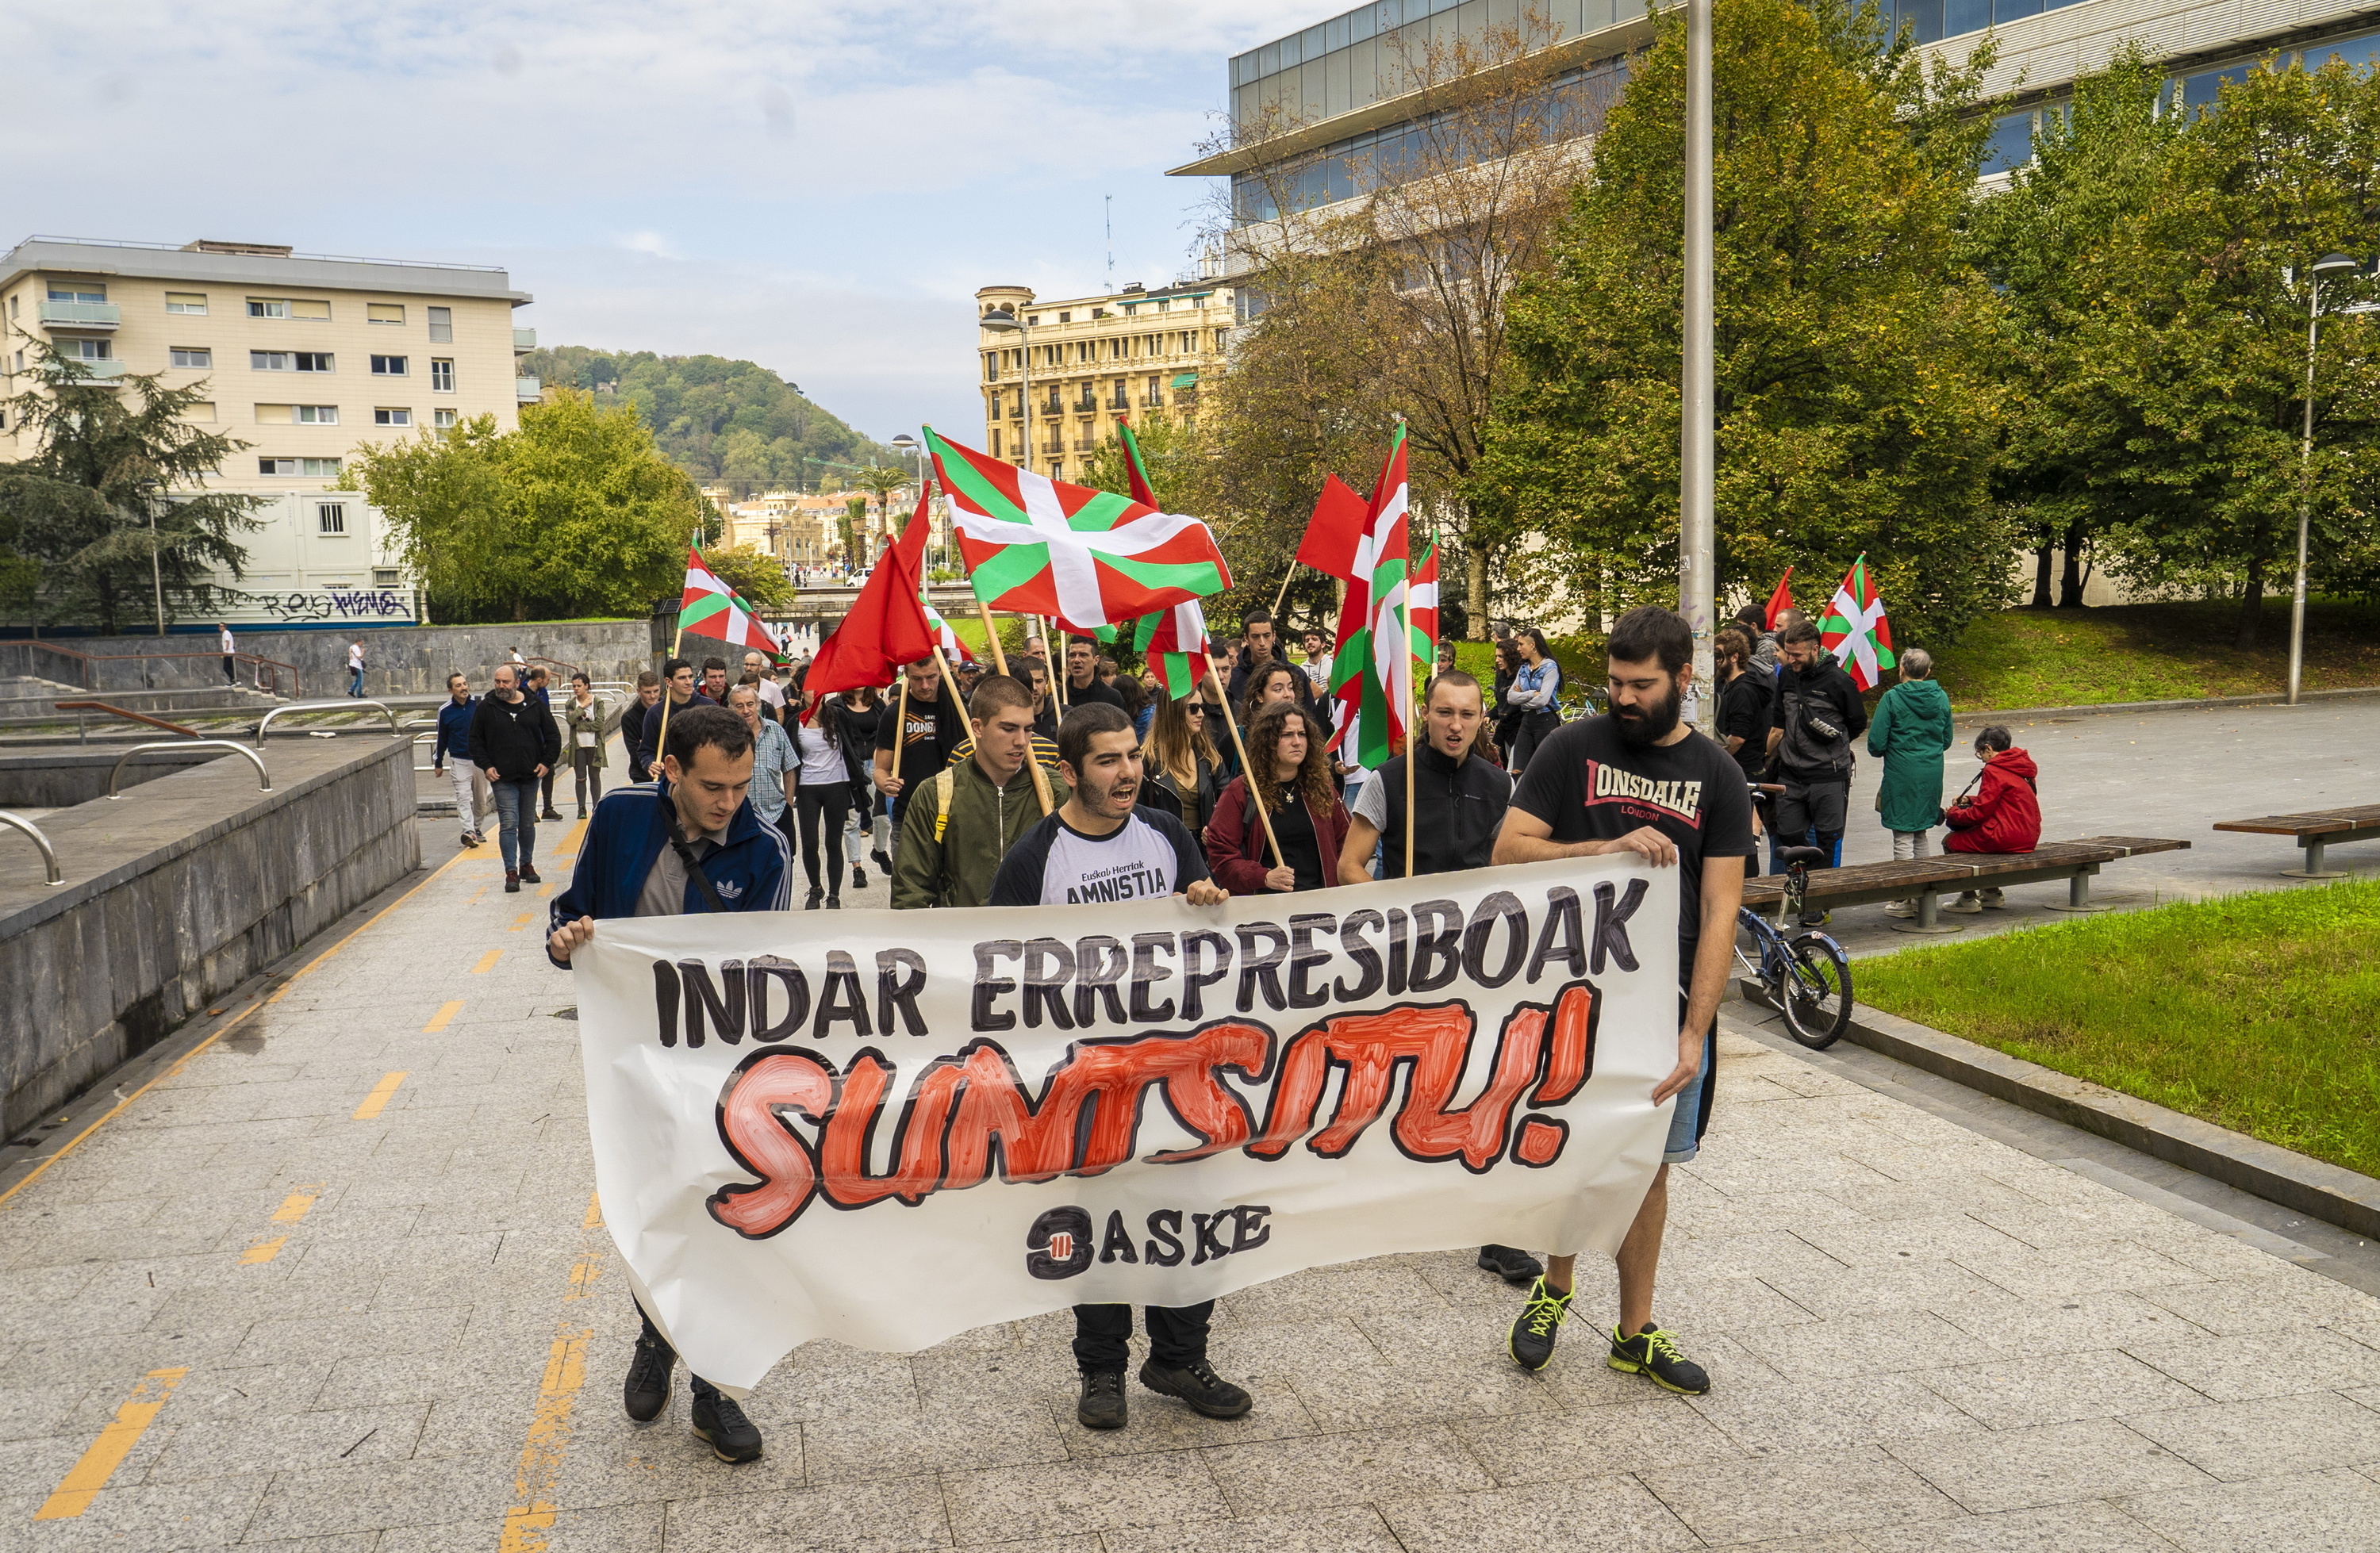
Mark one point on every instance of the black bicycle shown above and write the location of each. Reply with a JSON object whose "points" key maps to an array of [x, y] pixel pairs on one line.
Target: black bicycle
{"points": [[1806, 974]]}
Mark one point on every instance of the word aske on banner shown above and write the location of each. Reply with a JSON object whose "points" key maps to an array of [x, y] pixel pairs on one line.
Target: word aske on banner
{"points": [[889, 1130]]}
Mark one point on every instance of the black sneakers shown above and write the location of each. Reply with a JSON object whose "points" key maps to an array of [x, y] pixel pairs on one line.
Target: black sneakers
{"points": [[1196, 1384], [884, 864], [1532, 1342], [1651, 1353], [721, 1423], [816, 895], [1511, 1265], [834, 903], [859, 878], [647, 1391], [1101, 1405]]}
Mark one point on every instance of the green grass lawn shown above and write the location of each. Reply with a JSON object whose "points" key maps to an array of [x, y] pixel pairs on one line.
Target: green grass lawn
{"points": [[2150, 652], [2258, 1012]]}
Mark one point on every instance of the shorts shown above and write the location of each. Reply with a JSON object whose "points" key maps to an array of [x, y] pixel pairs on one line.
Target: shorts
{"points": [[1686, 1114]]}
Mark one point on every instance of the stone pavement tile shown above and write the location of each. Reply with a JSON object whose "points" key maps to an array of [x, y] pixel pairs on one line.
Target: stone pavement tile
{"points": [[49, 1285], [1752, 1215], [1895, 1341], [855, 1447], [1614, 1513], [2056, 1464], [2364, 1332], [1597, 1442], [816, 1380], [373, 1379], [1072, 1498], [1900, 1200], [2210, 1254], [358, 1496], [1350, 1529], [1774, 1256], [1740, 1171], [1808, 1494], [350, 1542], [120, 1212], [1919, 1283], [2267, 1438], [1884, 1242], [1161, 1423], [2097, 1526], [1336, 1469], [864, 1516], [1724, 1305], [2315, 1512], [37, 1412], [2229, 1371], [2019, 1392], [2104, 1268], [39, 1462], [1780, 1418], [1458, 1280], [139, 1243], [274, 1298], [1288, 1349], [1324, 1292], [186, 1515], [119, 1358], [2289, 1297], [118, 1300], [626, 1528], [1359, 1394], [358, 1332], [285, 1440], [2065, 1326]]}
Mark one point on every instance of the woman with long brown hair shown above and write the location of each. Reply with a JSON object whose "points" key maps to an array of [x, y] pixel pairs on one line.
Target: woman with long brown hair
{"points": [[1181, 762], [1285, 745], [1273, 683]]}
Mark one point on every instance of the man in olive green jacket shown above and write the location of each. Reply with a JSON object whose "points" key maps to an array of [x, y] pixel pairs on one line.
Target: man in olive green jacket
{"points": [[1910, 731], [963, 821]]}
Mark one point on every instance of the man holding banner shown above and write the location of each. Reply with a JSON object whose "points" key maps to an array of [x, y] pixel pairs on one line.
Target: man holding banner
{"points": [[1639, 780]]}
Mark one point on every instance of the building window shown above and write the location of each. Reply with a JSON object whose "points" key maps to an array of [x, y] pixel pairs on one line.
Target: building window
{"points": [[391, 418], [261, 307], [330, 517], [192, 356], [313, 360], [991, 367], [318, 465], [192, 302], [1065, 318], [200, 409], [384, 313], [442, 374], [283, 306], [441, 325], [387, 577], [995, 442], [270, 361], [442, 419], [2010, 145], [76, 291], [84, 350], [388, 366], [274, 415], [316, 414]]}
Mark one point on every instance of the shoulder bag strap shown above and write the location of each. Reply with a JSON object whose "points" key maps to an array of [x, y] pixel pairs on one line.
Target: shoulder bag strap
{"points": [[685, 850]]}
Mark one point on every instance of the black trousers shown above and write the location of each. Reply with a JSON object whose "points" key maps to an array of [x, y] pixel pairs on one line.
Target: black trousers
{"points": [[1177, 1334], [653, 1334], [819, 811]]}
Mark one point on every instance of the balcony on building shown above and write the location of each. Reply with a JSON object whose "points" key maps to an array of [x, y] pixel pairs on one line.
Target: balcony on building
{"points": [[80, 315], [527, 390], [524, 339], [99, 374]]}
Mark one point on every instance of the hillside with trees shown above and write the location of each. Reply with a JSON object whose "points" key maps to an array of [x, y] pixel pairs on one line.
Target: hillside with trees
{"points": [[734, 423]]}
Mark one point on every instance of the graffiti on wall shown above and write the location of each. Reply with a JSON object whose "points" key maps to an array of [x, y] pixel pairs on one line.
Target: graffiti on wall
{"points": [[303, 606]]}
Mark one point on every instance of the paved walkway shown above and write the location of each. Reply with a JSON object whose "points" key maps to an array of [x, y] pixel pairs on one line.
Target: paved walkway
{"points": [[334, 1282]]}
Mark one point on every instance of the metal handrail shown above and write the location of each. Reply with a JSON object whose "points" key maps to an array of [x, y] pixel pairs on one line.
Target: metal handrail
{"points": [[83, 662], [134, 716], [263, 778], [48, 853], [347, 704]]}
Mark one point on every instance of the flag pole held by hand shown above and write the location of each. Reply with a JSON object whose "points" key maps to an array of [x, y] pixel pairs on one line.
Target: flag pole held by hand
{"points": [[999, 662], [1247, 771]]}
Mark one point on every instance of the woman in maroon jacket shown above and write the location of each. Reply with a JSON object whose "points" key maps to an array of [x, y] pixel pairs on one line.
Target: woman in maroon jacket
{"points": [[2004, 817], [1307, 818]]}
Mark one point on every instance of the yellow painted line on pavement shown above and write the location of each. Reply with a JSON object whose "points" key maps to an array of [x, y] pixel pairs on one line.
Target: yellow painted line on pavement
{"points": [[546, 890], [445, 1011], [87, 1476], [293, 1207], [487, 962], [570, 840], [532, 1514], [262, 1251], [523, 920], [594, 1219], [182, 1063], [378, 1099]]}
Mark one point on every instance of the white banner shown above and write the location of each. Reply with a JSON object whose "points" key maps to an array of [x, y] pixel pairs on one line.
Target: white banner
{"points": [[889, 1129]]}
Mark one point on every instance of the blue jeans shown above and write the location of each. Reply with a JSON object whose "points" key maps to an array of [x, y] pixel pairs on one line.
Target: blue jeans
{"points": [[356, 683], [1682, 1145], [516, 820]]}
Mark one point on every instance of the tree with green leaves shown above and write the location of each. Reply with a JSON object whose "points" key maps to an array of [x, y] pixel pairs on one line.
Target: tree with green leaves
{"points": [[1858, 369], [112, 520], [754, 573], [575, 513], [2191, 356]]}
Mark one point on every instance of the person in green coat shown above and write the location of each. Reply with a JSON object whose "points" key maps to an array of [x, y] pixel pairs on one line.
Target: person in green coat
{"points": [[1909, 733]]}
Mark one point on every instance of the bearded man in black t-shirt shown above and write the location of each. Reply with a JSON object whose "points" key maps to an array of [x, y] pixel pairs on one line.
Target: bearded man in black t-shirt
{"points": [[1640, 781]]}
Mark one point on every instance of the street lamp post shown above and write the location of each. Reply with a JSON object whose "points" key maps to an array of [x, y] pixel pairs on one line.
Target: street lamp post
{"points": [[1697, 401], [1001, 321], [2329, 264]]}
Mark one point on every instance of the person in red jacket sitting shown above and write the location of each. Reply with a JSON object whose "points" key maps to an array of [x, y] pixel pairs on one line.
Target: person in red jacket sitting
{"points": [[1307, 818], [2004, 817]]}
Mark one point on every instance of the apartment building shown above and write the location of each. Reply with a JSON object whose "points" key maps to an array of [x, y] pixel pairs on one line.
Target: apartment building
{"points": [[1073, 369], [1333, 100], [303, 357]]}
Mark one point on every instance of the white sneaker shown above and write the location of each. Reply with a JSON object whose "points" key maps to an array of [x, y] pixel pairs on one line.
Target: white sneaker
{"points": [[1899, 908], [1993, 900], [1965, 906]]}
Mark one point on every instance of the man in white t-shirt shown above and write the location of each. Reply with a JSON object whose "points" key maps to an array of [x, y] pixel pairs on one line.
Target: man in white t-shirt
{"points": [[771, 694], [1099, 847], [356, 668], [222, 640]]}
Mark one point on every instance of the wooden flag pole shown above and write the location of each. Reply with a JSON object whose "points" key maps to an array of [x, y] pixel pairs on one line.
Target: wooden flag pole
{"points": [[1412, 756], [664, 735], [1247, 771], [999, 662], [1286, 579], [1058, 672]]}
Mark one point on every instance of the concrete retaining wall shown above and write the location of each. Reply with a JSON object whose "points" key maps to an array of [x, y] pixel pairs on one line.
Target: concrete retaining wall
{"points": [[399, 660], [178, 892], [61, 778]]}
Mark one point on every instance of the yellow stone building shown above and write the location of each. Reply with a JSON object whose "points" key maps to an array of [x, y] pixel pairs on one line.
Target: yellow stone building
{"points": [[1091, 362]]}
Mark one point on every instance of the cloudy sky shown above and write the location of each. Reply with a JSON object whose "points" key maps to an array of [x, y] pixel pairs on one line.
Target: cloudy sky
{"points": [[817, 185]]}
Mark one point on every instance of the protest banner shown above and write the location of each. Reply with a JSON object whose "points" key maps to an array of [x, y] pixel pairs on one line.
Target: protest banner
{"points": [[887, 1129]]}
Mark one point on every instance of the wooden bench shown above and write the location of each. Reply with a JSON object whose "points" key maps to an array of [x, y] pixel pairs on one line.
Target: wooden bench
{"points": [[2314, 831], [1927, 877]]}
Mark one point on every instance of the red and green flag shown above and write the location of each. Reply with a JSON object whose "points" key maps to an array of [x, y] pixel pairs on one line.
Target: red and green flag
{"points": [[1086, 558], [1134, 470], [711, 608], [1855, 630], [1372, 672], [1780, 600], [1172, 641], [953, 649]]}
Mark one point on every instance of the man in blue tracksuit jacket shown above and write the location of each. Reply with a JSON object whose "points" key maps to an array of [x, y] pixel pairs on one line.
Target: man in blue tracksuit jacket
{"points": [[472, 798], [689, 843]]}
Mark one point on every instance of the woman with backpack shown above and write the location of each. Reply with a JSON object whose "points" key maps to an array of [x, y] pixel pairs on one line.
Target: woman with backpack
{"points": [[1307, 816]]}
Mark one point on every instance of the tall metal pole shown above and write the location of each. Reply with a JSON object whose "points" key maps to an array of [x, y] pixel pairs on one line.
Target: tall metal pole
{"points": [[1698, 406], [157, 574], [2305, 490]]}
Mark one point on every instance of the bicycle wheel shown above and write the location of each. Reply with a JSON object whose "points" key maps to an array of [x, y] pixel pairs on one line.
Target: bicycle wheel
{"points": [[1817, 991]]}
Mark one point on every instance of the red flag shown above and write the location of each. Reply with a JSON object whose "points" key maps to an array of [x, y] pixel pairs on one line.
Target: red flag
{"points": [[887, 626], [1424, 603], [1336, 532], [1780, 600]]}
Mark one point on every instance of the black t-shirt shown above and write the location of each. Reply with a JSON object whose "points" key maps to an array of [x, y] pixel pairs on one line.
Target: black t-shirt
{"points": [[1590, 785], [1151, 853], [1293, 826], [1097, 690], [1745, 705], [932, 730]]}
